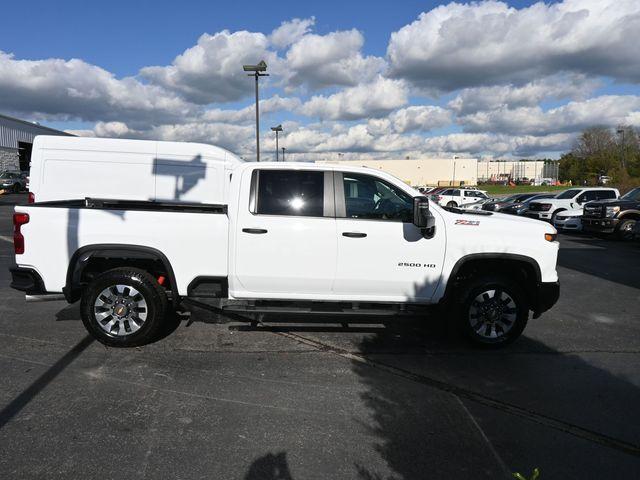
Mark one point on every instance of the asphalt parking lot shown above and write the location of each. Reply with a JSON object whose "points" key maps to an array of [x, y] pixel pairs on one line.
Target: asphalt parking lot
{"points": [[220, 399]]}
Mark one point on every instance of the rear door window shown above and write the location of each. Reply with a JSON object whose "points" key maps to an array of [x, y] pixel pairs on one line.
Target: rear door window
{"points": [[290, 192]]}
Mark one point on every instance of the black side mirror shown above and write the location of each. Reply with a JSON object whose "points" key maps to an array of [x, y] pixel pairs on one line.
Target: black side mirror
{"points": [[422, 217]]}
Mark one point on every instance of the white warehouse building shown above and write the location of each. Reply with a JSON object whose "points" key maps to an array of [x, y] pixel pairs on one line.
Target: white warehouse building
{"points": [[457, 171], [424, 171]]}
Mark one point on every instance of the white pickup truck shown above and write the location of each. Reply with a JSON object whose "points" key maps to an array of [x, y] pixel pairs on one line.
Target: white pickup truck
{"points": [[134, 228]]}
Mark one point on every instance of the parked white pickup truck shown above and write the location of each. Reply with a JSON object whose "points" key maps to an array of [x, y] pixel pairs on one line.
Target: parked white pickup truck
{"points": [[134, 228], [571, 199]]}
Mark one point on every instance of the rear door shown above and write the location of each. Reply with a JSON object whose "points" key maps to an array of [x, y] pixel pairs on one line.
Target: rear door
{"points": [[286, 235], [382, 256]]}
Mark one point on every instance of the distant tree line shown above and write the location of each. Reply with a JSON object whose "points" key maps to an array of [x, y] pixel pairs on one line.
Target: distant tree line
{"points": [[601, 151]]}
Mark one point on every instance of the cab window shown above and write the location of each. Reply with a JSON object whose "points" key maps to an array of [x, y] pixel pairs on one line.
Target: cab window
{"points": [[290, 192], [371, 198]]}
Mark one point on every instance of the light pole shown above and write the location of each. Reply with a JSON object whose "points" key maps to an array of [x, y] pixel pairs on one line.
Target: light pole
{"points": [[283, 149], [258, 71], [620, 131], [453, 179], [277, 129]]}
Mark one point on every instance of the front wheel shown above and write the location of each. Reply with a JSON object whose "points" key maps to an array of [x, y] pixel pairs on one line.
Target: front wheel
{"points": [[625, 229], [452, 204], [124, 307], [492, 311]]}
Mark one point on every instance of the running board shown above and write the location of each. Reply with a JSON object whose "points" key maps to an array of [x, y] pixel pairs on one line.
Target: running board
{"points": [[45, 298], [241, 307]]}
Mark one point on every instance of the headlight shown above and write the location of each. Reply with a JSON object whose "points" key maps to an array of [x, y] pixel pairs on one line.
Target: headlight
{"points": [[611, 211]]}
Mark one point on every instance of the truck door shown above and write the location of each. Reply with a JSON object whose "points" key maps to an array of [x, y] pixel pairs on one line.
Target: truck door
{"points": [[286, 235], [382, 256]]}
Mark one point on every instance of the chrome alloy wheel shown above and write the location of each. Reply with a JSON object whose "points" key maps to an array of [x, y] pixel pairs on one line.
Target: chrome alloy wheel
{"points": [[492, 314], [120, 310]]}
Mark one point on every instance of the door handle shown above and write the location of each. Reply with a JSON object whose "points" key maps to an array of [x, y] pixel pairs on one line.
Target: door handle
{"points": [[354, 234], [254, 230]]}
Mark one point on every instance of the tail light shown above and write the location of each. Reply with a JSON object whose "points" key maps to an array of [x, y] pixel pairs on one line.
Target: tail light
{"points": [[32, 198], [19, 219]]}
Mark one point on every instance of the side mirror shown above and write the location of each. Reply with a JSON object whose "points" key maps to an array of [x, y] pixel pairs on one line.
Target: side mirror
{"points": [[422, 218]]}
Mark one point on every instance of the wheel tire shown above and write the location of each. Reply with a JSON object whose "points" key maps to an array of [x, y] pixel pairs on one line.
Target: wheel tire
{"points": [[154, 308], [452, 204], [514, 313], [625, 229], [553, 216]]}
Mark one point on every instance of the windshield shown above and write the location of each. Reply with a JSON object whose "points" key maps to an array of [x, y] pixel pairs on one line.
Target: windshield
{"points": [[633, 195], [538, 197], [569, 194]]}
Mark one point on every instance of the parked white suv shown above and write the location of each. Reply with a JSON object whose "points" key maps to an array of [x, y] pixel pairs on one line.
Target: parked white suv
{"points": [[571, 199], [457, 197]]}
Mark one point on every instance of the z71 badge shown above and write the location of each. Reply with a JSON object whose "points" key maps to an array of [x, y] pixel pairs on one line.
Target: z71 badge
{"points": [[468, 222]]}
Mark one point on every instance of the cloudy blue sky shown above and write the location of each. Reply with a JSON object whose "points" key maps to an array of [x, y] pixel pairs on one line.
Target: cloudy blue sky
{"points": [[360, 79]]}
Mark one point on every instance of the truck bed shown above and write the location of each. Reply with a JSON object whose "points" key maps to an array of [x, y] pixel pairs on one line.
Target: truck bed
{"points": [[193, 237]]}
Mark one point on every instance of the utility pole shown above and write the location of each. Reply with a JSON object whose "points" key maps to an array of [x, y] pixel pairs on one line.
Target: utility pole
{"points": [[622, 159], [277, 129], [258, 71]]}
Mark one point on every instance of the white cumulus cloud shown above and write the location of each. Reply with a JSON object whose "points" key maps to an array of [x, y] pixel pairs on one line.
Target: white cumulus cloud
{"points": [[291, 31], [211, 70], [319, 61], [462, 45], [374, 99]]}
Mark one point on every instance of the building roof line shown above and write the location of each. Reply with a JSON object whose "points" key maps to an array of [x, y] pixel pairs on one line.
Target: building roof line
{"points": [[36, 125]]}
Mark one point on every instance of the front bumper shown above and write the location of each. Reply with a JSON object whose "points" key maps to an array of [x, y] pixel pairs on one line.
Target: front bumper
{"points": [[27, 280], [568, 224], [544, 216], [600, 225], [547, 295]]}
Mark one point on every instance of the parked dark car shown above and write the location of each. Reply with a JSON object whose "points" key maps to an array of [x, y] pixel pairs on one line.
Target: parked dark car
{"points": [[13, 181], [617, 216], [499, 203], [518, 208]]}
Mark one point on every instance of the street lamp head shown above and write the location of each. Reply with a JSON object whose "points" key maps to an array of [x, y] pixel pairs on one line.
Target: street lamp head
{"points": [[260, 67], [277, 128]]}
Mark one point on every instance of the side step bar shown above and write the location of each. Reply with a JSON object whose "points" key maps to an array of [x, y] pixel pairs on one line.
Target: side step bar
{"points": [[240, 307], [44, 298]]}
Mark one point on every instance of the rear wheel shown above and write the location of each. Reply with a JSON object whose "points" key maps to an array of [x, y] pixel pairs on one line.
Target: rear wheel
{"points": [[124, 307], [625, 229], [492, 311], [452, 204]]}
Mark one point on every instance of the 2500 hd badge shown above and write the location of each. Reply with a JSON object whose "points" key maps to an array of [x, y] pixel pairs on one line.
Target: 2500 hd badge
{"points": [[415, 264]]}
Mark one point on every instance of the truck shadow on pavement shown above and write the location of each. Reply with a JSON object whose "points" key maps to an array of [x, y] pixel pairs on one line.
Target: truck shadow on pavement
{"points": [[615, 261]]}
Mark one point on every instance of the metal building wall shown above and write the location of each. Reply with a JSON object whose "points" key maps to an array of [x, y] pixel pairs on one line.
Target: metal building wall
{"points": [[14, 130]]}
